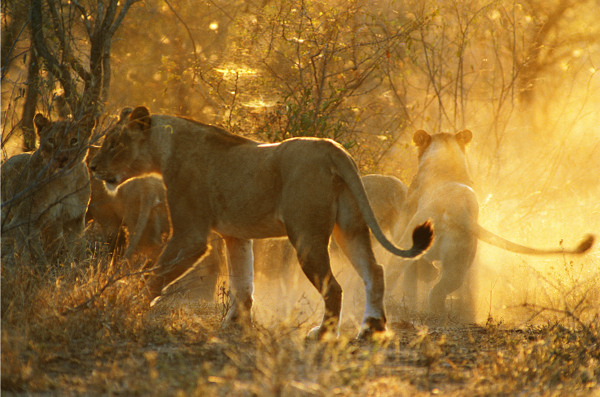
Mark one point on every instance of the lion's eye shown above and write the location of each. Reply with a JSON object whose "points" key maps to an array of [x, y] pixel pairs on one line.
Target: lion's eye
{"points": [[74, 142], [51, 141]]}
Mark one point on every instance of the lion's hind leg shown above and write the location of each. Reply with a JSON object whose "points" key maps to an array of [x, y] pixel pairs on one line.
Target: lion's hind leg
{"points": [[456, 258], [356, 245], [313, 256], [421, 270], [308, 213]]}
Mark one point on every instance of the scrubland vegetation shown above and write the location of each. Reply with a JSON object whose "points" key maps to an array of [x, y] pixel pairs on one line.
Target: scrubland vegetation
{"points": [[523, 76], [64, 334]]}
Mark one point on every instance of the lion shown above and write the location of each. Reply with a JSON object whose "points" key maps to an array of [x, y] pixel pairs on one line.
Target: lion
{"points": [[441, 191], [138, 205], [275, 258], [302, 188], [387, 195], [45, 193]]}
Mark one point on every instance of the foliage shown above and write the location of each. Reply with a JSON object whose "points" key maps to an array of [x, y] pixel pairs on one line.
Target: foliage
{"points": [[363, 74], [63, 38]]}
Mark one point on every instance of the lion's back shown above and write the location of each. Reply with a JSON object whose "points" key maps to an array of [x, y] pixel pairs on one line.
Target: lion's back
{"points": [[12, 174], [387, 196], [144, 195], [56, 198]]}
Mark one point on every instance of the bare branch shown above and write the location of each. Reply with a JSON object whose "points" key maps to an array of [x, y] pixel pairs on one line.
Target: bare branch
{"points": [[119, 19], [52, 63]]}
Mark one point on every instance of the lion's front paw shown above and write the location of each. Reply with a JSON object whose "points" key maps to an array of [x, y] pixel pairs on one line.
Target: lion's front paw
{"points": [[236, 320], [322, 333], [371, 328]]}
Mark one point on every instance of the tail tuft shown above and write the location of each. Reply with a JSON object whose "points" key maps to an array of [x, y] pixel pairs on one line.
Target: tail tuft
{"points": [[586, 244], [423, 236]]}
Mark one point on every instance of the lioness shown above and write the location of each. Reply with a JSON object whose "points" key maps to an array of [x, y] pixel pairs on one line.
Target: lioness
{"points": [[45, 193], [302, 188], [139, 205], [387, 196], [274, 259], [441, 190]]}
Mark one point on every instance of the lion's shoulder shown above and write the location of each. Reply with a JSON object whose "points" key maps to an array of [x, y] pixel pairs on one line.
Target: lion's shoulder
{"points": [[14, 173], [15, 164]]}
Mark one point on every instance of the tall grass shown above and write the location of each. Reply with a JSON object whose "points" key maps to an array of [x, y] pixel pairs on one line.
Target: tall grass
{"points": [[86, 328]]}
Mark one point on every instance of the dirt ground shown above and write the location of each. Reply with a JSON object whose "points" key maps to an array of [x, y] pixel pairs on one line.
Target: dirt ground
{"points": [[178, 348]]}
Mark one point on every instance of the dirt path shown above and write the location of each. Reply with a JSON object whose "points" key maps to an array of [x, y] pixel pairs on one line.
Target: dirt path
{"points": [[185, 353]]}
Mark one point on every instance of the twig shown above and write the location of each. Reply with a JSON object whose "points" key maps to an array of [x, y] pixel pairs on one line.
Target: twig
{"points": [[113, 279]]}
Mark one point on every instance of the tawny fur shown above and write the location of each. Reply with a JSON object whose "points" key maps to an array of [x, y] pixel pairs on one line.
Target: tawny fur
{"points": [[45, 193], [139, 206], [441, 191], [304, 189]]}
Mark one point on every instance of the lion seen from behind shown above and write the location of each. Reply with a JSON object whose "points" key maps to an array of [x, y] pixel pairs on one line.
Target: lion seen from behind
{"points": [[441, 191]]}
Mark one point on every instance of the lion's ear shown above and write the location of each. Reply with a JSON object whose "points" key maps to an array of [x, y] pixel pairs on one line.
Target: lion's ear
{"points": [[125, 114], [464, 137], [139, 112], [140, 118], [41, 122], [421, 138]]}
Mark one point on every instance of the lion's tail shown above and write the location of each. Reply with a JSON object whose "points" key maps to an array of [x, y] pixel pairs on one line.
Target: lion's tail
{"points": [[493, 239], [422, 235]]}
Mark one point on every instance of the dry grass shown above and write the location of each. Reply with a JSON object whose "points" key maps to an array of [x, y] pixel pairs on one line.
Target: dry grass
{"points": [[85, 329]]}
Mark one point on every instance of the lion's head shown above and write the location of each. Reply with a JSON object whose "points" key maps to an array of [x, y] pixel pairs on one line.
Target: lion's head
{"points": [[442, 155], [63, 143], [424, 141], [123, 154]]}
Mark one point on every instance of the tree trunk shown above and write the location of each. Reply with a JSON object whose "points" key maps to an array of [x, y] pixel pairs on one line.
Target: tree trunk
{"points": [[31, 97]]}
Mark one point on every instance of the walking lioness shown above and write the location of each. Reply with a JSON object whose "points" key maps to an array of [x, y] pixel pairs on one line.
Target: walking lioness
{"points": [[303, 188], [442, 191]]}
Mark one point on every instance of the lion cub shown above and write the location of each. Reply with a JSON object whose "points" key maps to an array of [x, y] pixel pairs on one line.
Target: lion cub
{"points": [[139, 205], [45, 193]]}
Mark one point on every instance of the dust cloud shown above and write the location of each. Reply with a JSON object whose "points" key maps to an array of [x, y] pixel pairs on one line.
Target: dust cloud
{"points": [[540, 187], [369, 76]]}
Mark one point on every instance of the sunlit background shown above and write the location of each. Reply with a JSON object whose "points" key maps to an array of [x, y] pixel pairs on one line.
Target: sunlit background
{"points": [[523, 76]]}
